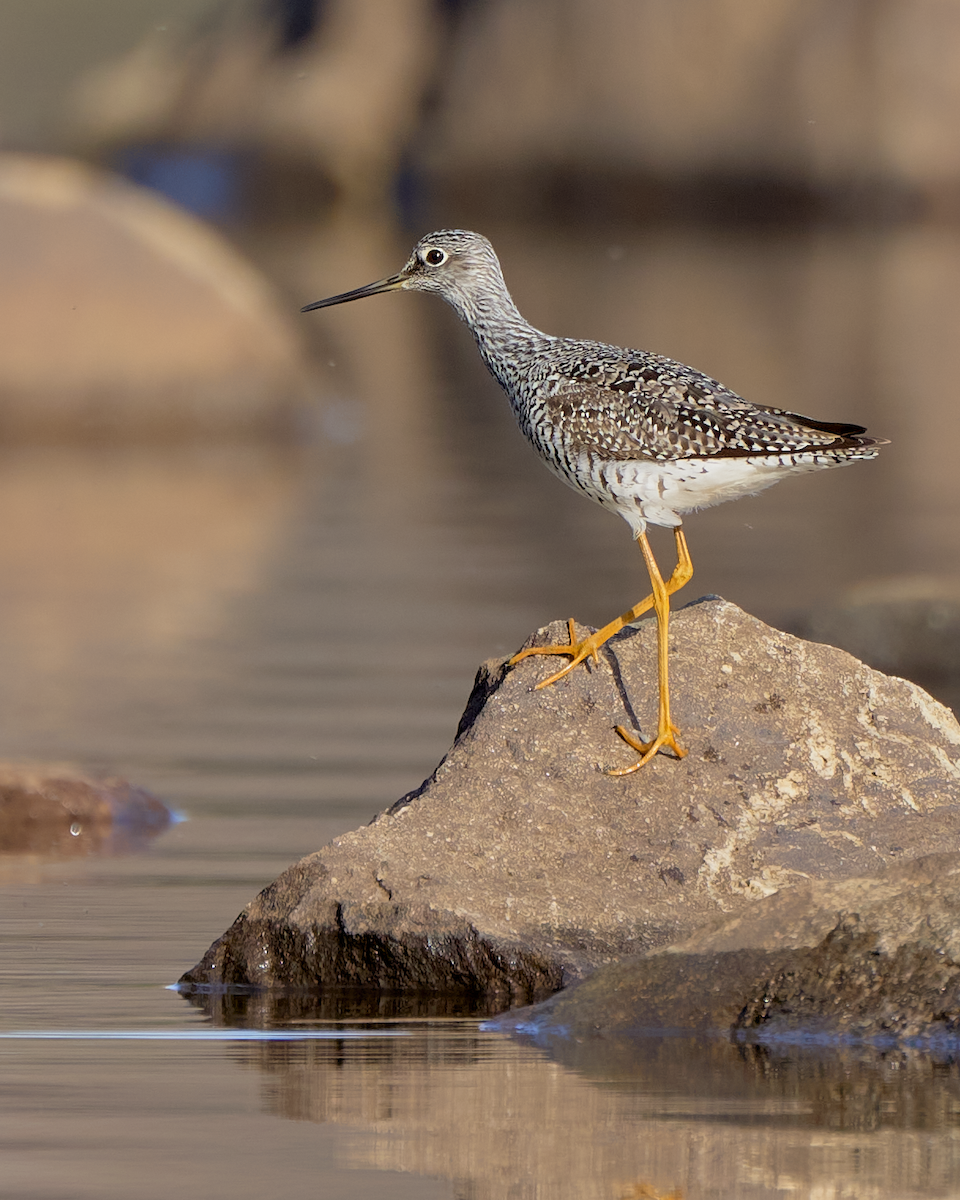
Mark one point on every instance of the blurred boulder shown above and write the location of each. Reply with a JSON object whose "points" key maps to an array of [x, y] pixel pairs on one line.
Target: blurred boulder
{"points": [[908, 625], [61, 812], [841, 96], [125, 317], [339, 87], [800, 100]]}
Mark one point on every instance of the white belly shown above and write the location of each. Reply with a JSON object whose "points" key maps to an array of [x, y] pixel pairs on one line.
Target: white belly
{"points": [[661, 493]]}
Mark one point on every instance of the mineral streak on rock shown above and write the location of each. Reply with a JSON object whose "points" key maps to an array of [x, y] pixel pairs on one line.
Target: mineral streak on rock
{"points": [[519, 865]]}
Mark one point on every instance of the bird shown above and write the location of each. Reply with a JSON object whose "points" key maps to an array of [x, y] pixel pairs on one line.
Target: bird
{"points": [[639, 433]]}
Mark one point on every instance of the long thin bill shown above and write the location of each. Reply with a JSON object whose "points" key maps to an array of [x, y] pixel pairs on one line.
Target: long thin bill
{"points": [[371, 289]]}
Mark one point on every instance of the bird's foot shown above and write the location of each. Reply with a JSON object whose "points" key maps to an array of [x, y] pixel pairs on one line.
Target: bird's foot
{"points": [[666, 737], [576, 651]]}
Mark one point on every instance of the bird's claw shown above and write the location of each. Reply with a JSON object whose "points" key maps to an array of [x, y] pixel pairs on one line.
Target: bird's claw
{"points": [[577, 652], [666, 738]]}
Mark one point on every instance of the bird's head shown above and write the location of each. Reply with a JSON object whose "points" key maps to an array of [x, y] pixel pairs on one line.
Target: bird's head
{"points": [[458, 265]]}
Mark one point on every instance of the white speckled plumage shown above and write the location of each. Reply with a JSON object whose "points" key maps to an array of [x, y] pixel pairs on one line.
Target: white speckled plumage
{"points": [[640, 434]]}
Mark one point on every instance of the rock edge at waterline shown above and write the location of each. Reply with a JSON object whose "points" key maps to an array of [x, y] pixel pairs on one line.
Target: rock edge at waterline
{"points": [[871, 958]]}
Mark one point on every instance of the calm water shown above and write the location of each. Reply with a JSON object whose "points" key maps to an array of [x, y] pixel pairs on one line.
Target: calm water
{"points": [[279, 642]]}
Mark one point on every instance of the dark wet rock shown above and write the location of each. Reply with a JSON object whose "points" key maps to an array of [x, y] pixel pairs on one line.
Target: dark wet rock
{"points": [[520, 866], [60, 812], [889, 967], [872, 957]]}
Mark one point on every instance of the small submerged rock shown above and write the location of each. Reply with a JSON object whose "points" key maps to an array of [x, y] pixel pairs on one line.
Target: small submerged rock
{"points": [[61, 812], [519, 866]]}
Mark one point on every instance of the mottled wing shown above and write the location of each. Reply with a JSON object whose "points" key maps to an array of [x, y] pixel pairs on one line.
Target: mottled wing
{"points": [[652, 407]]}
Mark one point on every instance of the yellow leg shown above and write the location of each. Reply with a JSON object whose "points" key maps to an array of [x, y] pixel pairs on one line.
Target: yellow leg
{"points": [[666, 730], [578, 651]]}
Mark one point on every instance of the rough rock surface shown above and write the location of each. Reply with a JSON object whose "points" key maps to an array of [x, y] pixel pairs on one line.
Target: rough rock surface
{"points": [[62, 812], [519, 865], [872, 957]]}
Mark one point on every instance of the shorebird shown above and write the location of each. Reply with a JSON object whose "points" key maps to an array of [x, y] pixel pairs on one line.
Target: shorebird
{"points": [[642, 435]]}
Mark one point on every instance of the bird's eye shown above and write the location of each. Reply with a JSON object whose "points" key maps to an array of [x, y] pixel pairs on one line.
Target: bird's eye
{"points": [[435, 257]]}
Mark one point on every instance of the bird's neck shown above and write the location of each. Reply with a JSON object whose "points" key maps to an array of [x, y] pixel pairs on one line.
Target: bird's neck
{"points": [[507, 342]]}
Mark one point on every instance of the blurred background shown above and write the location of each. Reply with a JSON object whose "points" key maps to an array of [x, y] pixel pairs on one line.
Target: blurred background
{"points": [[250, 560], [253, 558]]}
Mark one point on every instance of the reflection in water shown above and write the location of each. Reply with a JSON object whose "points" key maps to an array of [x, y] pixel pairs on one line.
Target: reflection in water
{"points": [[239, 1007], [113, 562], [705, 1118]]}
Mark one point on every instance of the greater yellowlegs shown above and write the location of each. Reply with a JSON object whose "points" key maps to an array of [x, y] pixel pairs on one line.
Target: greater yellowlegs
{"points": [[638, 433]]}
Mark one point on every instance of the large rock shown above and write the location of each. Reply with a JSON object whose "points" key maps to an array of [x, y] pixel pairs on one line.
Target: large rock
{"points": [[519, 865], [872, 957]]}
